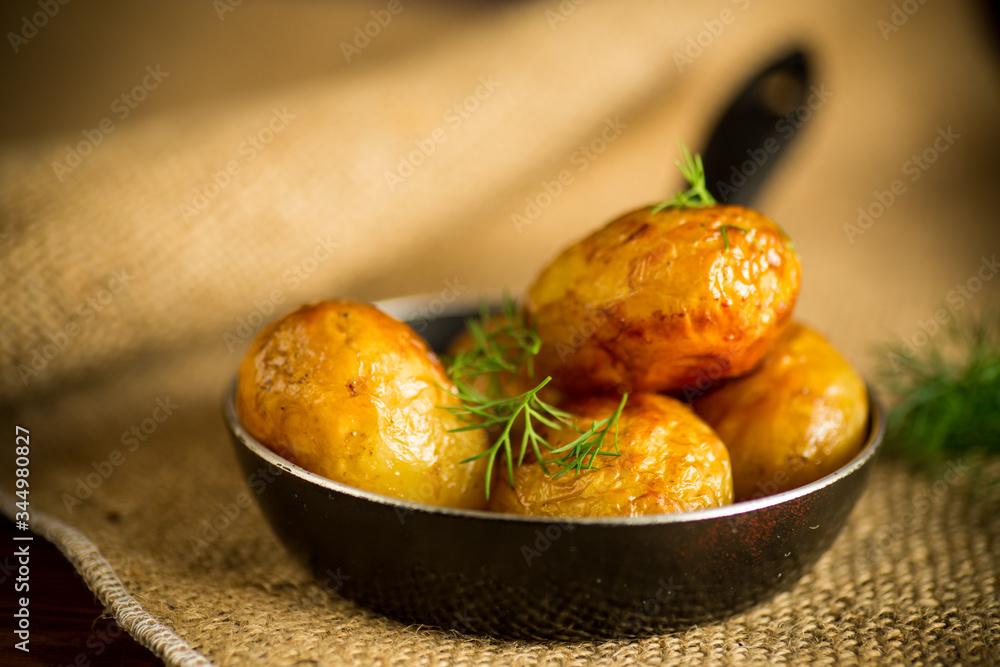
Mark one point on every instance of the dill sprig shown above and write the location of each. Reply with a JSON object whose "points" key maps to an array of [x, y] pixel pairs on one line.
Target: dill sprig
{"points": [[948, 393], [697, 195], [499, 345], [580, 453], [742, 229], [505, 345]]}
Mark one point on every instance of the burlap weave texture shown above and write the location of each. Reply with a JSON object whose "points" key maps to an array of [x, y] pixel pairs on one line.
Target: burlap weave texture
{"points": [[913, 578]]}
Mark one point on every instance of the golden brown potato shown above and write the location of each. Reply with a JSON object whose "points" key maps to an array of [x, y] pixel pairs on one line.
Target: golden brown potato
{"points": [[799, 417], [351, 394], [670, 461], [650, 302]]}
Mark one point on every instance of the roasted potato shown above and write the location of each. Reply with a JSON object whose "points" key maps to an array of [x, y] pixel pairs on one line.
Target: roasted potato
{"points": [[670, 461], [655, 301], [799, 417], [351, 394]]}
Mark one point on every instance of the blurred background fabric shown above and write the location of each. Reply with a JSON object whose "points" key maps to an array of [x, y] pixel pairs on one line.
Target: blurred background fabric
{"points": [[175, 175]]}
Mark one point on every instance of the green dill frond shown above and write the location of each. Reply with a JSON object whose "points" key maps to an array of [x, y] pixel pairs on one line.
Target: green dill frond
{"points": [[505, 345], [579, 454], [948, 393], [726, 238], [697, 195]]}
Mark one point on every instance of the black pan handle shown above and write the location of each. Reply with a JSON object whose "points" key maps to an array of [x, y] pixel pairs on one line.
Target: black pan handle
{"points": [[753, 133]]}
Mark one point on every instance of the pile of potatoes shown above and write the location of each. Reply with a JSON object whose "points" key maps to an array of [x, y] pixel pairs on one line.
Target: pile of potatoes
{"points": [[688, 310]]}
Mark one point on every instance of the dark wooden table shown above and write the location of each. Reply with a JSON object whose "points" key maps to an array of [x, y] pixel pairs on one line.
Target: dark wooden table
{"points": [[67, 622]]}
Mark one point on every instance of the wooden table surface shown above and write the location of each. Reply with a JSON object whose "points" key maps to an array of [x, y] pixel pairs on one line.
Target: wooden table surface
{"points": [[67, 622]]}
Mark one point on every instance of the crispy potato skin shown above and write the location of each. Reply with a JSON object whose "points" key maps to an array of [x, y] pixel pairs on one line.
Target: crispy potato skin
{"points": [[799, 417], [670, 461], [351, 394], [654, 302]]}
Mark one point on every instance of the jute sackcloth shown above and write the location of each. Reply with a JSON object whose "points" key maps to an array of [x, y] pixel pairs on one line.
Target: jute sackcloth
{"points": [[261, 169]]}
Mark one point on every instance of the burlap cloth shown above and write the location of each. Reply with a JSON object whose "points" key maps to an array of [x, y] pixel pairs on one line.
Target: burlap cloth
{"points": [[310, 213]]}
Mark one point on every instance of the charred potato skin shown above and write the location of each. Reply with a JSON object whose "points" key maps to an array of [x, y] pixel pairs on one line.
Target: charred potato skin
{"points": [[654, 302], [799, 417], [670, 461], [349, 393]]}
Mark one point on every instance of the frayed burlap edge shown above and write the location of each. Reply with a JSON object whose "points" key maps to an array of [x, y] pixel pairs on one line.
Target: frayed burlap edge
{"points": [[101, 578]]}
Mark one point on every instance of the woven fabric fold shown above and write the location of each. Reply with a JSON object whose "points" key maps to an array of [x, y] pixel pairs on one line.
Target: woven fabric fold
{"points": [[455, 153]]}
